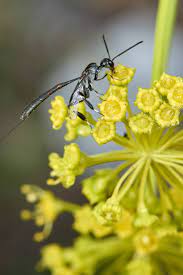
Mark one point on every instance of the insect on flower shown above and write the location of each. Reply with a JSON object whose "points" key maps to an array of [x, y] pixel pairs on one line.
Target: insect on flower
{"points": [[82, 89]]}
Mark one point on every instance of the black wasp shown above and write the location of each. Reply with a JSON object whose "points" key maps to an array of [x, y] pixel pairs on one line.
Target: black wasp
{"points": [[82, 90]]}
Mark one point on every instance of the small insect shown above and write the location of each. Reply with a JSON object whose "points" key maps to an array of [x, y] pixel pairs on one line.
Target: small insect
{"points": [[82, 89]]}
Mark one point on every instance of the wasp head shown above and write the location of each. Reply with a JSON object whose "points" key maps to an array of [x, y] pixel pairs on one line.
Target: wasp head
{"points": [[107, 63]]}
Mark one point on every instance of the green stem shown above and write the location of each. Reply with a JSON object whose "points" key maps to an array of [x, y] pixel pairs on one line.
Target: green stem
{"points": [[68, 206], [143, 183], [111, 157], [163, 35]]}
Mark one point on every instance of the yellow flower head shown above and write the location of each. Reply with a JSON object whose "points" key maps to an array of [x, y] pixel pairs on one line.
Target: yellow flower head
{"points": [[76, 126], [124, 227], [104, 131], [121, 76], [147, 100], [109, 212], [175, 95], [165, 84], [51, 257], [144, 218], [117, 91], [58, 112], [99, 186], [141, 123], [65, 170], [46, 209], [86, 222], [166, 115], [26, 215], [113, 109], [145, 242]]}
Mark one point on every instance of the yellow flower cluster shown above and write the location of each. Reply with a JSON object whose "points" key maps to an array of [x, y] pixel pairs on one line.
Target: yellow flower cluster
{"points": [[65, 170], [60, 113], [108, 212], [144, 250], [133, 220], [160, 104], [46, 210], [57, 263], [85, 223], [99, 186], [114, 105]]}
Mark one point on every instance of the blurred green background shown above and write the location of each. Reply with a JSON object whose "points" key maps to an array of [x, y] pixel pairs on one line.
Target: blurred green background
{"points": [[42, 43]]}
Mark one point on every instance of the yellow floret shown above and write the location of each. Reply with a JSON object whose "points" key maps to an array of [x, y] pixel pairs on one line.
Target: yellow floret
{"points": [[141, 123], [147, 100], [121, 76], [72, 155], [166, 83], [26, 215], [104, 131], [175, 96], [167, 115], [85, 223], [118, 91], [52, 256], [113, 109], [145, 242], [58, 112]]}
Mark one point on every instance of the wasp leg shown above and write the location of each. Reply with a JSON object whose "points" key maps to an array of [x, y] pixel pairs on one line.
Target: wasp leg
{"points": [[81, 116], [91, 106], [98, 79], [93, 90]]}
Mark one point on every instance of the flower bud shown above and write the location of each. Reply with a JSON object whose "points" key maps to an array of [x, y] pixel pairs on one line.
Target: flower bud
{"points": [[175, 96], [113, 109], [104, 131], [58, 112], [141, 123], [166, 116], [147, 100], [165, 84], [121, 76]]}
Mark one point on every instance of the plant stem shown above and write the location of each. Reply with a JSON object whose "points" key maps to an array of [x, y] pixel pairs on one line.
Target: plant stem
{"points": [[163, 35], [111, 157]]}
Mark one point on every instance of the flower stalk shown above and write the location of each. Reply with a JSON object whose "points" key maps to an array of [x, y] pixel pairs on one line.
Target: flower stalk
{"points": [[165, 22]]}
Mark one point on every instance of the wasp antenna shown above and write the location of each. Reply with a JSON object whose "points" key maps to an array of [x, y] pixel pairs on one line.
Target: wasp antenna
{"points": [[11, 130], [133, 46], [105, 43]]}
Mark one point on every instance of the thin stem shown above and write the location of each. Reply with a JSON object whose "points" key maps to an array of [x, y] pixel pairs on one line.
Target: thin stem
{"points": [[123, 141], [163, 171], [141, 203], [121, 167], [163, 35], [130, 181], [68, 206], [170, 163], [125, 175], [110, 157]]}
